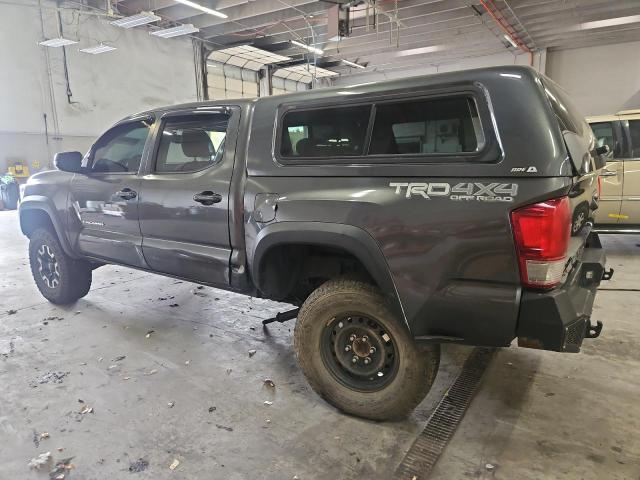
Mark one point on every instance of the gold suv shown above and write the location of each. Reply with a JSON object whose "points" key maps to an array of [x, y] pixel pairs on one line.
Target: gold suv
{"points": [[619, 210]]}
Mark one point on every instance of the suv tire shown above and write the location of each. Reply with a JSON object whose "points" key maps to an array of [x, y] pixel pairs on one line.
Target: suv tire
{"points": [[358, 355], [61, 279], [10, 196]]}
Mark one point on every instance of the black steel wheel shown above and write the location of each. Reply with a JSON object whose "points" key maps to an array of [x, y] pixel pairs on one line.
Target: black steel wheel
{"points": [[359, 352], [359, 355]]}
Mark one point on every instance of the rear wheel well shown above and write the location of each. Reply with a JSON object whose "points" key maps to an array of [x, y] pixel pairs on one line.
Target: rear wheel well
{"points": [[290, 272], [30, 220]]}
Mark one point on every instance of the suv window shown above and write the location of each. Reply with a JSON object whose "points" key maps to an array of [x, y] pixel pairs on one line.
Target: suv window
{"points": [[634, 132], [434, 126], [120, 149], [326, 132], [189, 144]]}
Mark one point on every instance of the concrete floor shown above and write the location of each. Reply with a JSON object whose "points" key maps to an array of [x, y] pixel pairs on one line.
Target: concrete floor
{"points": [[537, 414]]}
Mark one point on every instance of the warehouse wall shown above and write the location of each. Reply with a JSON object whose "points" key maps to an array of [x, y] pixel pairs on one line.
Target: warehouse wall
{"points": [[144, 72], [506, 58], [601, 80]]}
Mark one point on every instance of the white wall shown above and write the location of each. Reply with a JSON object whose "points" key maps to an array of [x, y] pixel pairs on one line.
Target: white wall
{"points": [[144, 72], [600, 80], [506, 58]]}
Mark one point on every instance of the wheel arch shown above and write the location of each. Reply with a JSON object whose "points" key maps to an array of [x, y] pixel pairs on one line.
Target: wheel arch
{"points": [[352, 240], [37, 211]]}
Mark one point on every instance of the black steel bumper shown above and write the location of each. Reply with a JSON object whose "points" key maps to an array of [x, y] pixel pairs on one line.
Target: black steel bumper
{"points": [[560, 319]]}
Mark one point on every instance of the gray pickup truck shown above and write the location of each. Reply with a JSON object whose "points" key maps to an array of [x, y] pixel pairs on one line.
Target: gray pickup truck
{"points": [[397, 216]]}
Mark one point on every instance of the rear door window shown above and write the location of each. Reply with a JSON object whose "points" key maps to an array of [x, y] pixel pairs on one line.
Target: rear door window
{"points": [[427, 127], [326, 132], [191, 143]]}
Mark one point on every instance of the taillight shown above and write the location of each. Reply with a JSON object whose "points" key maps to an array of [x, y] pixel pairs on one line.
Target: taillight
{"points": [[542, 233]]}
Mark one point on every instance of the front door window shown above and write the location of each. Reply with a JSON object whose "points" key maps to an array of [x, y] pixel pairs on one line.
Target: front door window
{"points": [[120, 149], [605, 135]]}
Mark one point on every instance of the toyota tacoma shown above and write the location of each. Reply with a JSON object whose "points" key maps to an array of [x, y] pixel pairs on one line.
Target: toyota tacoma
{"points": [[396, 216]]}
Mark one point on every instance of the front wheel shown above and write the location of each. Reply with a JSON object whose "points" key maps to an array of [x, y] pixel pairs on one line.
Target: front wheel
{"points": [[60, 278], [358, 355]]}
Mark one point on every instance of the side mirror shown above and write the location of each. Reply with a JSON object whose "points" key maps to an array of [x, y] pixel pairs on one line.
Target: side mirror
{"points": [[68, 161]]}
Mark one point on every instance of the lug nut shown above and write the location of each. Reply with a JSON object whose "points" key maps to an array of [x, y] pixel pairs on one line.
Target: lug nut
{"points": [[352, 337], [354, 359], [372, 350], [340, 325], [347, 348], [367, 361], [365, 338]]}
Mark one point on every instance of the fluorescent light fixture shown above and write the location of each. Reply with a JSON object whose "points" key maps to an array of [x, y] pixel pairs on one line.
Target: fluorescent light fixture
{"points": [[141, 18], [511, 41], [57, 42], [202, 8], [308, 47], [352, 64], [175, 31], [421, 50], [95, 50], [610, 22]]}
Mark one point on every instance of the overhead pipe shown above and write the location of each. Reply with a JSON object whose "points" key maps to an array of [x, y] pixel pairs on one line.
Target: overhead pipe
{"points": [[507, 28]]}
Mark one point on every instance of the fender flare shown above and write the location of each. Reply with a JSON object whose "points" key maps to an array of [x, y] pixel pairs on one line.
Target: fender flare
{"points": [[39, 202], [351, 239]]}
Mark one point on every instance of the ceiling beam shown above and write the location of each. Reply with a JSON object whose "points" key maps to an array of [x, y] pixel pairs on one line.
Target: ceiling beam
{"points": [[259, 19], [129, 7], [418, 19]]}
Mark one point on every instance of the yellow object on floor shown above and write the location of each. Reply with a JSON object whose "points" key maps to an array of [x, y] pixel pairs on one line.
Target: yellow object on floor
{"points": [[19, 170]]}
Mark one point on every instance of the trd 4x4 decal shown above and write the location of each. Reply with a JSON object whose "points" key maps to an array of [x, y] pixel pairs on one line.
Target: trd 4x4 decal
{"points": [[482, 192]]}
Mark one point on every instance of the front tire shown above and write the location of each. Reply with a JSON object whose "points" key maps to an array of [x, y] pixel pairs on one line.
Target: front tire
{"points": [[61, 279], [358, 355]]}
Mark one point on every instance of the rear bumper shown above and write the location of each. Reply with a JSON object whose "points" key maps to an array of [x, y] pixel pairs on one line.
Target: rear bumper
{"points": [[560, 319]]}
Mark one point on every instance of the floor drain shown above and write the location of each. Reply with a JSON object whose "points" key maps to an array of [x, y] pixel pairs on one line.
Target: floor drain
{"points": [[427, 448]]}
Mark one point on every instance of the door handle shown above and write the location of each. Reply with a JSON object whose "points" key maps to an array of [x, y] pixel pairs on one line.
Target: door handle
{"points": [[207, 197], [608, 173], [127, 194]]}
